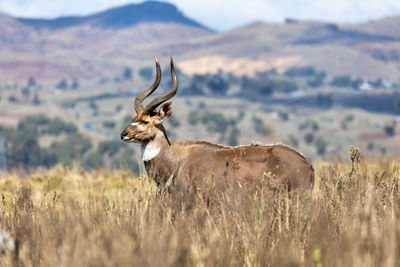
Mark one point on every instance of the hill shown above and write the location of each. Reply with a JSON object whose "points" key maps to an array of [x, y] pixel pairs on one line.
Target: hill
{"points": [[86, 47], [124, 16], [388, 26], [102, 44], [334, 48]]}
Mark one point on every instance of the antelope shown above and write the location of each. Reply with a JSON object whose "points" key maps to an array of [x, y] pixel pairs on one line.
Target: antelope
{"points": [[200, 162]]}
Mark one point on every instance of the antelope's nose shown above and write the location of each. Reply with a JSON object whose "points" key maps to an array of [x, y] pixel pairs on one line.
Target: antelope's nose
{"points": [[123, 134]]}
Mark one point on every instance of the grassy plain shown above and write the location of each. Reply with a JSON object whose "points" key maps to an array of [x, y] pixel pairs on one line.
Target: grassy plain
{"points": [[69, 217]]}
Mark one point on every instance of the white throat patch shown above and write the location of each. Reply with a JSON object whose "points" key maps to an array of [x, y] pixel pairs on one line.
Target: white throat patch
{"points": [[149, 152]]}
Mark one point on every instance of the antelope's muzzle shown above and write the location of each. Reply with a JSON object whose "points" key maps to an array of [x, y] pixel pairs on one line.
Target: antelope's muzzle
{"points": [[124, 135]]}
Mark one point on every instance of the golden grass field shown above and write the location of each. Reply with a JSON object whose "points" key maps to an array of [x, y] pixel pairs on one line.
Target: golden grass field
{"points": [[69, 217]]}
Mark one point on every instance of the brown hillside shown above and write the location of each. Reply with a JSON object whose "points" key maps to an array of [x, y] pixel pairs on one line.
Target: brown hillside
{"points": [[84, 51], [335, 49]]}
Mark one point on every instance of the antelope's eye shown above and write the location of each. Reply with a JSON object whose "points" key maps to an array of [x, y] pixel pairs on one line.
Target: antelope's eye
{"points": [[145, 122]]}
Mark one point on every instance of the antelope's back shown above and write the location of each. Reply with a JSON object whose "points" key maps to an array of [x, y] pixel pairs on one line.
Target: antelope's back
{"points": [[281, 164], [295, 169]]}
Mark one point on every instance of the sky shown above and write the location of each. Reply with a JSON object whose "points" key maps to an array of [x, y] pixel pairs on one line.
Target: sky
{"points": [[222, 15]]}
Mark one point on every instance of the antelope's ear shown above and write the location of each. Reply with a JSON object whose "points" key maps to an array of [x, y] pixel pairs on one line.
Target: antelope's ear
{"points": [[165, 111]]}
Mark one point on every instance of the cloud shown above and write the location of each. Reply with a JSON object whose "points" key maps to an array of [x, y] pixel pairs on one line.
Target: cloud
{"points": [[227, 14], [340, 10], [222, 14]]}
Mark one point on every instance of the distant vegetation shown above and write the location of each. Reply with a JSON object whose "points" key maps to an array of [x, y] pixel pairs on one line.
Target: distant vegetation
{"points": [[296, 86], [342, 81], [390, 129], [62, 84], [265, 84], [305, 71], [24, 149], [127, 73], [347, 120], [209, 84], [146, 73], [321, 145], [261, 128], [109, 124], [218, 123], [309, 124], [281, 94]]}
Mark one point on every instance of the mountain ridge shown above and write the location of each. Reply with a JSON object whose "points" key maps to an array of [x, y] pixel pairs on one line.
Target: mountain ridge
{"points": [[119, 17], [100, 43]]}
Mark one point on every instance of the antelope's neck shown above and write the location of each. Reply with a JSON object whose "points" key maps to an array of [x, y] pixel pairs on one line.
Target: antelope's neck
{"points": [[156, 147], [161, 161], [150, 151]]}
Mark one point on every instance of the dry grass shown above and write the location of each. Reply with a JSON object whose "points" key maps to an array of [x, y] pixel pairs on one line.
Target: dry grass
{"points": [[64, 217]]}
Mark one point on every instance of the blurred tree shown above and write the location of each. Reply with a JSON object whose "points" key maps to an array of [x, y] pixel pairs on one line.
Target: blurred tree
{"points": [[390, 129], [233, 137], [109, 148], [321, 146], [193, 118], [36, 100], [118, 108], [75, 84], [127, 73], [109, 124], [201, 105], [283, 115], [293, 140], [23, 151], [62, 84], [26, 92], [93, 105], [196, 86], [261, 128], [240, 116], [31, 82], [146, 73], [70, 149], [309, 138], [370, 146], [216, 122], [127, 161], [69, 104], [396, 105], [12, 99], [57, 126], [304, 71], [349, 118], [341, 81], [126, 120], [173, 121], [324, 100], [217, 84], [93, 160], [316, 80], [255, 87]]}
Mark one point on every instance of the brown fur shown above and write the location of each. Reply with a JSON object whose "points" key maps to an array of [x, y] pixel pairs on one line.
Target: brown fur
{"points": [[201, 163]]}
